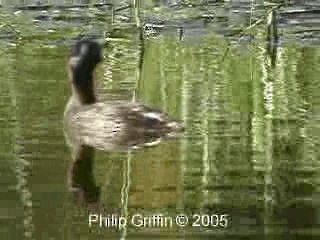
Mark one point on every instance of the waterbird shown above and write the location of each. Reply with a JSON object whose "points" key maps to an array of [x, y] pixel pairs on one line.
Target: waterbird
{"points": [[114, 125]]}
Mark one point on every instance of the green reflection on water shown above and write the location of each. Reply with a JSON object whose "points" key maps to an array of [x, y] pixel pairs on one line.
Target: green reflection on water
{"points": [[250, 148]]}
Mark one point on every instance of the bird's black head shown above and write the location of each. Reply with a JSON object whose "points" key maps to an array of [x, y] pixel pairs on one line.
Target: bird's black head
{"points": [[86, 51], [84, 57]]}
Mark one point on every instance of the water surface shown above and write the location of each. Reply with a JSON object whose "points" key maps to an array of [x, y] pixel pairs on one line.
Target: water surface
{"points": [[251, 111]]}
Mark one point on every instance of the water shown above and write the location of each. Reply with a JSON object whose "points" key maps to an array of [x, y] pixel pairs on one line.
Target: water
{"points": [[249, 155]]}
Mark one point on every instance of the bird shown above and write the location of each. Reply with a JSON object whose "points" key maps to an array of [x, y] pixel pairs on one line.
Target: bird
{"points": [[114, 125]]}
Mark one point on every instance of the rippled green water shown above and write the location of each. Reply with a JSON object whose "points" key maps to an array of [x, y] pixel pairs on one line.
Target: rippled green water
{"points": [[250, 150]]}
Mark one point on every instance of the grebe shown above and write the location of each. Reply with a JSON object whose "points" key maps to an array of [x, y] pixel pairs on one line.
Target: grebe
{"points": [[110, 125]]}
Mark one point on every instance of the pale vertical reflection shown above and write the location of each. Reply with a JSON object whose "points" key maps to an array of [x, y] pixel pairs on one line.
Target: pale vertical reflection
{"points": [[268, 95], [125, 192], [137, 75], [205, 132], [218, 111], [136, 5], [213, 126], [140, 60], [163, 80], [252, 8], [258, 76], [258, 116], [21, 165], [184, 116], [108, 69], [260, 124], [280, 85]]}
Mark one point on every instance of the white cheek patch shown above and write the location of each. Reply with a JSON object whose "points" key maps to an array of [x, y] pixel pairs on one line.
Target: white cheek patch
{"points": [[84, 49], [73, 61]]}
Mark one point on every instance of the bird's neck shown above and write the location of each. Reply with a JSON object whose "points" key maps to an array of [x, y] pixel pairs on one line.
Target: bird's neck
{"points": [[83, 86]]}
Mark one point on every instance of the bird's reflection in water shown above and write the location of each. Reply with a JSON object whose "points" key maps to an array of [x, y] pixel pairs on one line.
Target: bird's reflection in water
{"points": [[108, 125], [81, 179]]}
